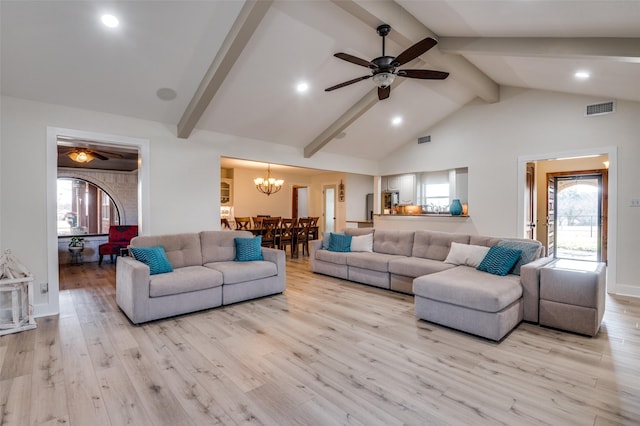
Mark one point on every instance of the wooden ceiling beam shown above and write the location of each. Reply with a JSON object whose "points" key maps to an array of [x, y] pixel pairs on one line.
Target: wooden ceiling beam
{"points": [[406, 30], [606, 48], [345, 120], [241, 32]]}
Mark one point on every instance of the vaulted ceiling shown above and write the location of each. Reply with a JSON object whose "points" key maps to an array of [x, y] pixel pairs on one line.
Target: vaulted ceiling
{"points": [[234, 66]]}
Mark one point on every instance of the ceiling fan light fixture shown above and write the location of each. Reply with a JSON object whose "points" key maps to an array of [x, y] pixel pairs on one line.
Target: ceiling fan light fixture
{"points": [[81, 156], [383, 79]]}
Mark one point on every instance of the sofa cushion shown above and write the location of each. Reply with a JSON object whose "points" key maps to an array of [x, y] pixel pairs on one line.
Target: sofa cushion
{"points": [[362, 243], [393, 242], [483, 240], [466, 254], [499, 260], [154, 257], [325, 240], [468, 287], [219, 246], [181, 249], [339, 242], [233, 273], [359, 231], [435, 245], [416, 266], [373, 261], [248, 249], [529, 250], [339, 258], [183, 280]]}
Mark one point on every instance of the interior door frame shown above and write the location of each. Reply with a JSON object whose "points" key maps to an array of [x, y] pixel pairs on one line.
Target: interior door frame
{"points": [[612, 194], [144, 200], [324, 205]]}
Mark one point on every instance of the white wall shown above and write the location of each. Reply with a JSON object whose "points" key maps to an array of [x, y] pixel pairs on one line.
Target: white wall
{"points": [[184, 190], [489, 138], [356, 189]]}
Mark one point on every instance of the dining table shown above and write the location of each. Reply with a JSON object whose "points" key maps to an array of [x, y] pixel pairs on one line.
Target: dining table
{"points": [[313, 230]]}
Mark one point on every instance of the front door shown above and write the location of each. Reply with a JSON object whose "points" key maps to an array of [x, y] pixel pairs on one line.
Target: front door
{"points": [[579, 217]]}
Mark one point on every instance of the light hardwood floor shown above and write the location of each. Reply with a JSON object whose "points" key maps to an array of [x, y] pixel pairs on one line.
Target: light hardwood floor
{"points": [[326, 352]]}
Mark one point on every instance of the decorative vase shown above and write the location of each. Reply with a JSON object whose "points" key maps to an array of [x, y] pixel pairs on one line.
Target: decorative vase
{"points": [[455, 208]]}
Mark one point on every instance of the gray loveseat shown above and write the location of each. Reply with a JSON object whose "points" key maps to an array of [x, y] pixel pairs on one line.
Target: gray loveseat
{"points": [[456, 296], [204, 275]]}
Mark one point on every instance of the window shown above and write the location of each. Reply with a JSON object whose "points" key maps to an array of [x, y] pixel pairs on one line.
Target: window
{"points": [[84, 208]]}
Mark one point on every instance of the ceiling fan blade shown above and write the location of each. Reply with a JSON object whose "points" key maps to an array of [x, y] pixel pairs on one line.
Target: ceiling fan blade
{"points": [[346, 83], [98, 156], [384, 92], [108, 154], [355, 60], [414, 51], [424, 74]]}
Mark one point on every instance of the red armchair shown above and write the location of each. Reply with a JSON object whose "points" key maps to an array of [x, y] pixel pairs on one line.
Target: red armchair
{"points": [[119, 238]]}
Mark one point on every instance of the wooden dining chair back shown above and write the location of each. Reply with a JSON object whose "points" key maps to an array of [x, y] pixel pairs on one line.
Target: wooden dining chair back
{"points": [[270, 228], [314, 227], [287, 235], [303, 234], [224, 223], [243, 222], [257, 221]]}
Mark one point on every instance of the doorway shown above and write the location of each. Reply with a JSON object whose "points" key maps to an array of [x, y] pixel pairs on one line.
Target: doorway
{"points": [[577, 215], [49, 303], [329, 208]]}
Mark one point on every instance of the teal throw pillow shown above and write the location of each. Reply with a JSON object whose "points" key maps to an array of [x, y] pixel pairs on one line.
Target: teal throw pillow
{"points": [[499, 260], [248, 249], [529, 251], [339, 242], [325, 240], [154, 257]]}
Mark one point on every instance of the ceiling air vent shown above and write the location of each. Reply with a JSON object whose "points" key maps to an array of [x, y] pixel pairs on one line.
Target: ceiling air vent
{"points": [[601, 108], [424, 139]]}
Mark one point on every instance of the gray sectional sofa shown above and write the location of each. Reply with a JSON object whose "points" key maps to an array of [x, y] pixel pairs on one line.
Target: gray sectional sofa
{"points": [[456, 296], [204, 275]]}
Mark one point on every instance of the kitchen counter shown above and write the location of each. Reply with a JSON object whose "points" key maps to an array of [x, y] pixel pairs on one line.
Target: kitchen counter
{"points": [[359, 223]]}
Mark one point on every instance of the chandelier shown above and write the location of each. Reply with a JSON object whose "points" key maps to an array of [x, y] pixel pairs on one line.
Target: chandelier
{"points": [[268, 185]]}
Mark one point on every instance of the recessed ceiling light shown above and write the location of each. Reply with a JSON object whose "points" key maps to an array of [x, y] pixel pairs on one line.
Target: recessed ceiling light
{"points": [[396, 121], [110, 21], [302, 87], [582, 75]]}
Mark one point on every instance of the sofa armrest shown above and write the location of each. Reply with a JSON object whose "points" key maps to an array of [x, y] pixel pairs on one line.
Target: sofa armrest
{"points": [[276, 256], [530, 280], [314, 246], [132, 288]]}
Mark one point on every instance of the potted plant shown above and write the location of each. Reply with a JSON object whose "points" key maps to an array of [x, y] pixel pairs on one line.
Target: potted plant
{"points": [[76, 242]]}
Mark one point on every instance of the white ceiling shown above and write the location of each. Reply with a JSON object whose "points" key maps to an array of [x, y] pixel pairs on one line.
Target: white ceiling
{"points": [[58, 52]]}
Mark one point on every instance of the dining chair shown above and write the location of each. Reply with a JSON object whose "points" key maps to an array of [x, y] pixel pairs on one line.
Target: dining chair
{"points": [[243, 222], [313, 227], [287, 235], [270, 227], [257, 221], [224, 223], [303, 234]]}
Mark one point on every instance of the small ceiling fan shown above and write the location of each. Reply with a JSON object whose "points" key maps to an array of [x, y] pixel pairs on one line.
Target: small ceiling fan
{"points": [[85, 155], [384, 68]]}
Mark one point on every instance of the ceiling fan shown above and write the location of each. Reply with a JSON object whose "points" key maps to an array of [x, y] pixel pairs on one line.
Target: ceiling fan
{"points": [[384, 68], [85, 155]]}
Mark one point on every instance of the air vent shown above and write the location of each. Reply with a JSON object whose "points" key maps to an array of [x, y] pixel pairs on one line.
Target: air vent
{"points": [[424, 139], [601, 108]]}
